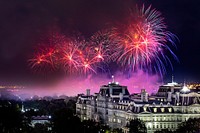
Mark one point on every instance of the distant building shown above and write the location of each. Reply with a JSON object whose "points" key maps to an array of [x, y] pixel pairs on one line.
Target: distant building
{"points": [[40, 119], [114, 106]]}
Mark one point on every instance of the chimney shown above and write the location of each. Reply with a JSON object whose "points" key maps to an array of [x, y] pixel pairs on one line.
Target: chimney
{"points": [[121, 96], [88, 92], [169, 96], [144, 95]]}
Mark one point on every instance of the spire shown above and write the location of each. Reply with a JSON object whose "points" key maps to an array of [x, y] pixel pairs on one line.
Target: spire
{"points": [[172, 78], [113, 79], [22, 109]]}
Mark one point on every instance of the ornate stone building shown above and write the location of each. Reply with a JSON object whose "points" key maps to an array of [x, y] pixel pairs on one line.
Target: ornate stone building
{"points": [[114, 106]]}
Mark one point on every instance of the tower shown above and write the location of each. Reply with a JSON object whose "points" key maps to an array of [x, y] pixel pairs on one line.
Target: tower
{"points": [[144, 95], [88, 92]]}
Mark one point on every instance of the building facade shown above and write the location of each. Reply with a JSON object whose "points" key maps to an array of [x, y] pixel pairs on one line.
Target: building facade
{"points": [[114, 106]]}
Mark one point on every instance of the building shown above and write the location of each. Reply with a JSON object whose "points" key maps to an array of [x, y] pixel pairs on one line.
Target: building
{"points": [[114, 106], [44, 119], [40, 119]]}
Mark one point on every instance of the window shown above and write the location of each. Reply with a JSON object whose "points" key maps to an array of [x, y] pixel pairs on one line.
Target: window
{"points": [[162, 109], [145, 109], [119, 121], [149, 125], [117, 91], [154, 109], [164, 118]]}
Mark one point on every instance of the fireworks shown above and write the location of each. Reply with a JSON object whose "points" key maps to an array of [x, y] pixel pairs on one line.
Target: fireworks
{"points": [[140, 44], [72, 56], [44, 60]]}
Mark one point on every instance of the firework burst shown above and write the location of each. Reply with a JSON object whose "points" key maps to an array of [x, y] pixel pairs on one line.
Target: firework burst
{"points": [[102, 42], [70, 56], [142, 43], [139, 44], [45, 60]]}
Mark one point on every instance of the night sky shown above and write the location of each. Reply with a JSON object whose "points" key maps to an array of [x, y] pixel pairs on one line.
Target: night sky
{"points": [[24, 22]]}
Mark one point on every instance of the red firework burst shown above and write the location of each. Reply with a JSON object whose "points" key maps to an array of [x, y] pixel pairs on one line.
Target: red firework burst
{"points": [[142, 43]]}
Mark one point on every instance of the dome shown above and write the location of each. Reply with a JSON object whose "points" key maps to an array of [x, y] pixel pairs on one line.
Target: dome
{"points": [[185, 89]]}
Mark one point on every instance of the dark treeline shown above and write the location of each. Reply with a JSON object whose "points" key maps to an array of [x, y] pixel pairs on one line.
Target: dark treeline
{"points": [[63, 117]]}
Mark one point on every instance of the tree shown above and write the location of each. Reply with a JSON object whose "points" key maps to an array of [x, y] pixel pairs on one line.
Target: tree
{"points": [[71, 104], [64, 121], [12, 119], [117, 130], [164, 131], [104, 128], [40, 128], [137, 126], [190, 126], [90, 126]]}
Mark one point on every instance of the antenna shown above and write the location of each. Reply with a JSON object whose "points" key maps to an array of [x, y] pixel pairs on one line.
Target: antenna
{"points": [[172, 78], [184, 83], [113, 79]]}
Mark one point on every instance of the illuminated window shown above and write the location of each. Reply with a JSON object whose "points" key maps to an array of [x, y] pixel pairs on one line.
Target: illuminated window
{"points": [[119, 121], [154, 109], [113, 120], [145, 109], [162, 109], [170, 110], [164, 118], [149, 125]]}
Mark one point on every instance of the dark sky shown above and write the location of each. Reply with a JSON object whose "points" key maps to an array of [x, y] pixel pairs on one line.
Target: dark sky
{"points": [[24, 22]]}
